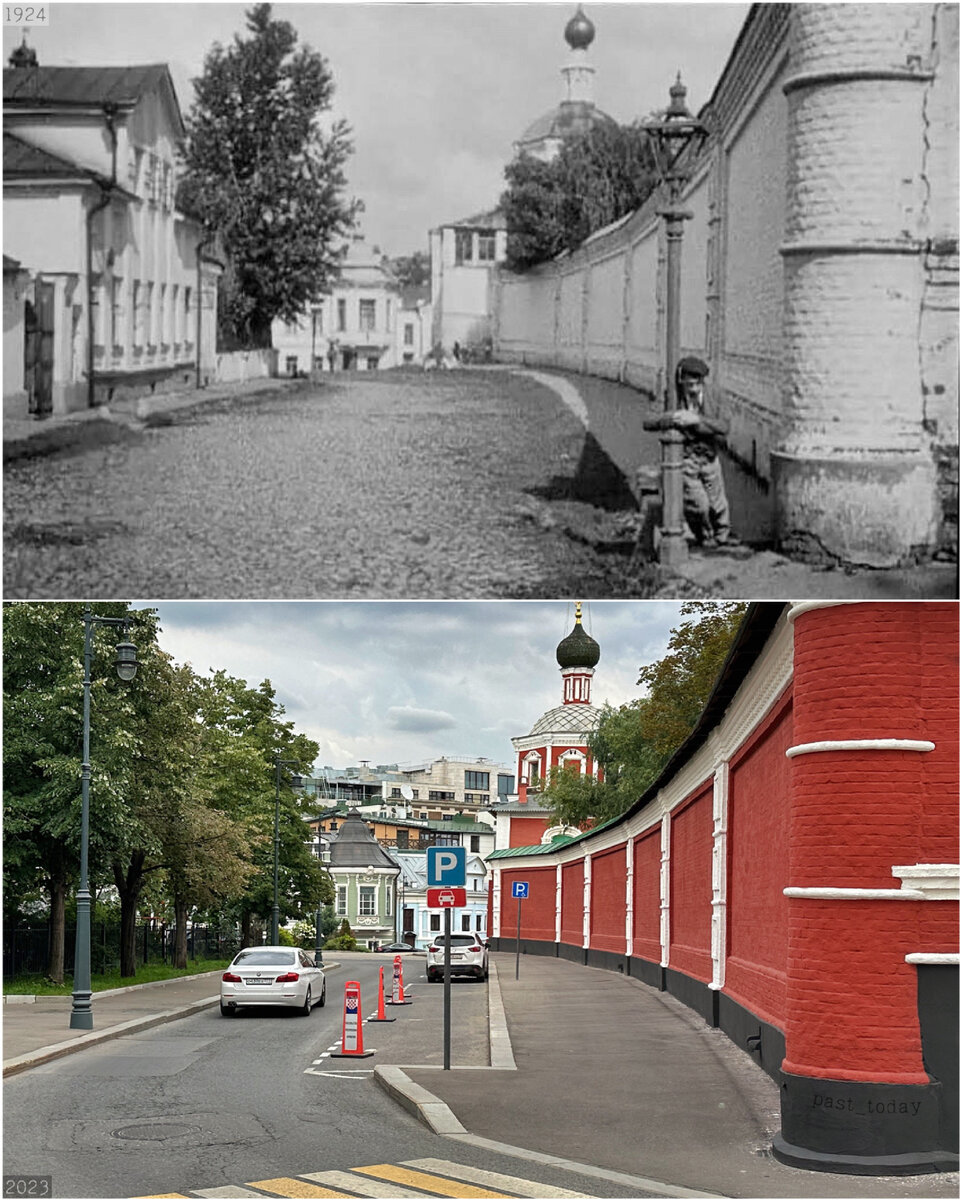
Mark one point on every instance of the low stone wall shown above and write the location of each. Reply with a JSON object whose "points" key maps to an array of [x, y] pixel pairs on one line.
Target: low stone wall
{"points": [[239, 366]]}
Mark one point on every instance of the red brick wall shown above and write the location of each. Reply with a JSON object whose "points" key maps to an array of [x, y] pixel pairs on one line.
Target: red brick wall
{"points": [[572, 903], [608, 894], [527, 831], [859, 673], [758, 872], [537, 911], [691, 845], [647, 895]]}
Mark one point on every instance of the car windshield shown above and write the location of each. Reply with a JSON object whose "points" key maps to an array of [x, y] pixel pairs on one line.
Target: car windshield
{"points": [[457, 939], [264, 958]]}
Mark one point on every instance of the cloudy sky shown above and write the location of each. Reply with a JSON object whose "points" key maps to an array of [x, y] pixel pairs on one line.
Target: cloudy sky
{"points": [[435, 93], [398, 681]]}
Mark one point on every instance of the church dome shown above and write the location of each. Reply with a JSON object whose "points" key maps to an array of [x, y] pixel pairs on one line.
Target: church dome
{"points": [[579, 32], [578, 649]]}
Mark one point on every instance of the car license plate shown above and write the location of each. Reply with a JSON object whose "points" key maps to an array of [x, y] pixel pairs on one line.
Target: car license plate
{"points": [[258, 982], [456, 957]]}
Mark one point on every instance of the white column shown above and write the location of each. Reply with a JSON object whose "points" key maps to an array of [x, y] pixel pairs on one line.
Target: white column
{"points": [[558, 898], [629, 899], [719, 878], [587, 900], [496, 903], [665, 890]]}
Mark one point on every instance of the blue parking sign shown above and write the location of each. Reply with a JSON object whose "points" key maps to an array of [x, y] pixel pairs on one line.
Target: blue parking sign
{"points": [[446, 866], [520, 889]]}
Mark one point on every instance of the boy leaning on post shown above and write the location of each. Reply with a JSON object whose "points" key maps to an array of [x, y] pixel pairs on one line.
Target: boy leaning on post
{"points": [[705, 500]]}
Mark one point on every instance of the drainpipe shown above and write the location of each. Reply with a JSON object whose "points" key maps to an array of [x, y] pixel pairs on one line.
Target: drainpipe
{"points": [[109, 116]]}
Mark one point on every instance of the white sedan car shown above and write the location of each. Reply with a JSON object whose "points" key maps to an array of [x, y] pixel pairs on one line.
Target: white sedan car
{"points": [[274, 975]]}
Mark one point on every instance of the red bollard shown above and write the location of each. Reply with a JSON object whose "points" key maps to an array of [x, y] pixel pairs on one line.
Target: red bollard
{"points": [[352, 1038], [380, 1002], [397, 992]]}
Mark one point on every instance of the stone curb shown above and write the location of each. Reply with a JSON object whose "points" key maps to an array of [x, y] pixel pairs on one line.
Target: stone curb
{"points": [[48, 1053]]}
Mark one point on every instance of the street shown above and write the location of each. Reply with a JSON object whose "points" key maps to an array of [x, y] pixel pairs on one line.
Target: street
{"points": [[207, 1105], [440, 484]]}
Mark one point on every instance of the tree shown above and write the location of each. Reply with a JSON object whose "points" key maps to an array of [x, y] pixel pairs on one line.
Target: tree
{"points": [[410, 270], [596, 178], [263, 172], [633, 743]]}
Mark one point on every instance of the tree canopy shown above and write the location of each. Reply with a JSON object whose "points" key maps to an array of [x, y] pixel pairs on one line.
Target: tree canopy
{"points": [[596, 178], [632, 743], [264, 168]]}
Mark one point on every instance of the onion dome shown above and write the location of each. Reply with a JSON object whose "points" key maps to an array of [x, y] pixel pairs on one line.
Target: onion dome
{"points": [[23, 56], [579, 31], [578, 649]]}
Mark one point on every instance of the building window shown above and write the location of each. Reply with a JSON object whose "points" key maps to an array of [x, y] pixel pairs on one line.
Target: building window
{"points": [[463, 246], [342, 900], [486, 247], [477, 779], [479, 922], [395, 793], [368, 316], [475, 843], [465, 922], [368, 902], [291, 363], [188, 301], [476, 798], [505, 785], [435, 922], [318, 319], [438, 797], [408, 333], [341, 315], [388, 898], [175, 312], [162, 316], [116, 313], [138, 298]]}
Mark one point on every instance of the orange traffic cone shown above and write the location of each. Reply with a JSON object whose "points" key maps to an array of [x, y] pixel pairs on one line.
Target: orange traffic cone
{"points": [[352, 1038], [381, 1016]]}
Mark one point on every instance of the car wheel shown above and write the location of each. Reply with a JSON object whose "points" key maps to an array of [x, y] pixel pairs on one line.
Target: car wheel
{"points": [[323, 994], [305, 1011], [432, 978], [227, 1011]]}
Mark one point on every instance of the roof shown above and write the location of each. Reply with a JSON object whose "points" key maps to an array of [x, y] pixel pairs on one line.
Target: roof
{"points": [[568, 718], [562, 839], [356, 846], [21, 160], [86, 86], [10, 265], [493, 218], [570, 117]]}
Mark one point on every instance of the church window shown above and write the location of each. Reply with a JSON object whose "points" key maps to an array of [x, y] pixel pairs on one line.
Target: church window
{"points": [[368, 315]]}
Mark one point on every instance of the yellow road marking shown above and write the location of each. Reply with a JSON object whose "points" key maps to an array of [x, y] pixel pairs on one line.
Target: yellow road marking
{"points": [[285, 1186], [431, 1183]]}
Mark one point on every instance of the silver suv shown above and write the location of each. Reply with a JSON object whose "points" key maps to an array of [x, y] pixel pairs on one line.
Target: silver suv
{"points": [[468, 956]]}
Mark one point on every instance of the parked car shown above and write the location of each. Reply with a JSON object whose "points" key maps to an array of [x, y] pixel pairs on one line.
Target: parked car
{"points": [[468, 956], [272, 975], [398, 948]]}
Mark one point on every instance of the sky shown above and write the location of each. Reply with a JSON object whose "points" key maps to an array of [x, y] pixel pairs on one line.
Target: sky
{"points": [[435, 93], [408, 681]]}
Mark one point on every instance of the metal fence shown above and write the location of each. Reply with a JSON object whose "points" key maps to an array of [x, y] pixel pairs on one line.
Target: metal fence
{"points": [[26, 951]]}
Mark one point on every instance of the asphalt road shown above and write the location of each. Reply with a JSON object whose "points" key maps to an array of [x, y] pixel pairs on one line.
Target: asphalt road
{"points": [[210, 1103], [457, 484]]}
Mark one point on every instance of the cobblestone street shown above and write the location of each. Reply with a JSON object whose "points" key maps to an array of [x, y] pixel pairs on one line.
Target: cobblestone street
{"points": [[445, 485]]}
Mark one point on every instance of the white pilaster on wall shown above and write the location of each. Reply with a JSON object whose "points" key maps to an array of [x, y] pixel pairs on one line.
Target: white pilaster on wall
{"points": [[666, 890], [496, 903], [629, 899], [587, 901], [558, 898], [719, 878]]}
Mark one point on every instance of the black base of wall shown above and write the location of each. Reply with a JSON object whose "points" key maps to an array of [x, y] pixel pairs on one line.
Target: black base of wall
{"points": [[861, 1128]]}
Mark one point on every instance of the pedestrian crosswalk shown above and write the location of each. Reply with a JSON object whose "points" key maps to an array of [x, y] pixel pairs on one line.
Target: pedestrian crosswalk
{"points": [[388, 1181]]}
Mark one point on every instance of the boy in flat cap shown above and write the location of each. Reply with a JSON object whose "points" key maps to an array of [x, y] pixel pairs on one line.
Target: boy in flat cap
{"points": [[705, 501]]}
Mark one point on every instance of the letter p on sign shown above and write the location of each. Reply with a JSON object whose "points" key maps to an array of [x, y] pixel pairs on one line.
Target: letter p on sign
{"points": [[446, 866]]}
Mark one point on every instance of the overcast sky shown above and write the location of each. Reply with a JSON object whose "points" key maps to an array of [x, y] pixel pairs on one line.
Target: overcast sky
{"points": [[435, 93], [399, 681]]}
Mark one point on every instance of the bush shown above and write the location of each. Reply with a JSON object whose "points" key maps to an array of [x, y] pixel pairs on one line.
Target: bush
{"points": [[343, 939]]}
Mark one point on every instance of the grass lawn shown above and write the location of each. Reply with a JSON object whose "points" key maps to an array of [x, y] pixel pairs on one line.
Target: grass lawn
{"points": [[37, 985]]}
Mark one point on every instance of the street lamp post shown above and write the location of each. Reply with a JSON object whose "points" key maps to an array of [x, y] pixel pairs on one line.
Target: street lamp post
{"points": [[81, 1012], [295, 781], [668, 138]]}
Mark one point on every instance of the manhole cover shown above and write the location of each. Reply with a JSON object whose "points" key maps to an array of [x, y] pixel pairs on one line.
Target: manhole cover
{"points": [[153, 1133]]}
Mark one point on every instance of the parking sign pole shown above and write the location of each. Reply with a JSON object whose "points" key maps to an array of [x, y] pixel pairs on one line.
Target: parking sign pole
{"points": [[517, 948], [446, 989]]}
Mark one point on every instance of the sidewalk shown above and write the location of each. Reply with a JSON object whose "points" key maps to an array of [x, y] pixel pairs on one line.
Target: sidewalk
{"points": [[27, 437], [577, 1065]]}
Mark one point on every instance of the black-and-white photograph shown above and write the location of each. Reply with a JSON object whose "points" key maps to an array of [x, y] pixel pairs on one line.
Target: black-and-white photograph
{"points": [[480, 300]]}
